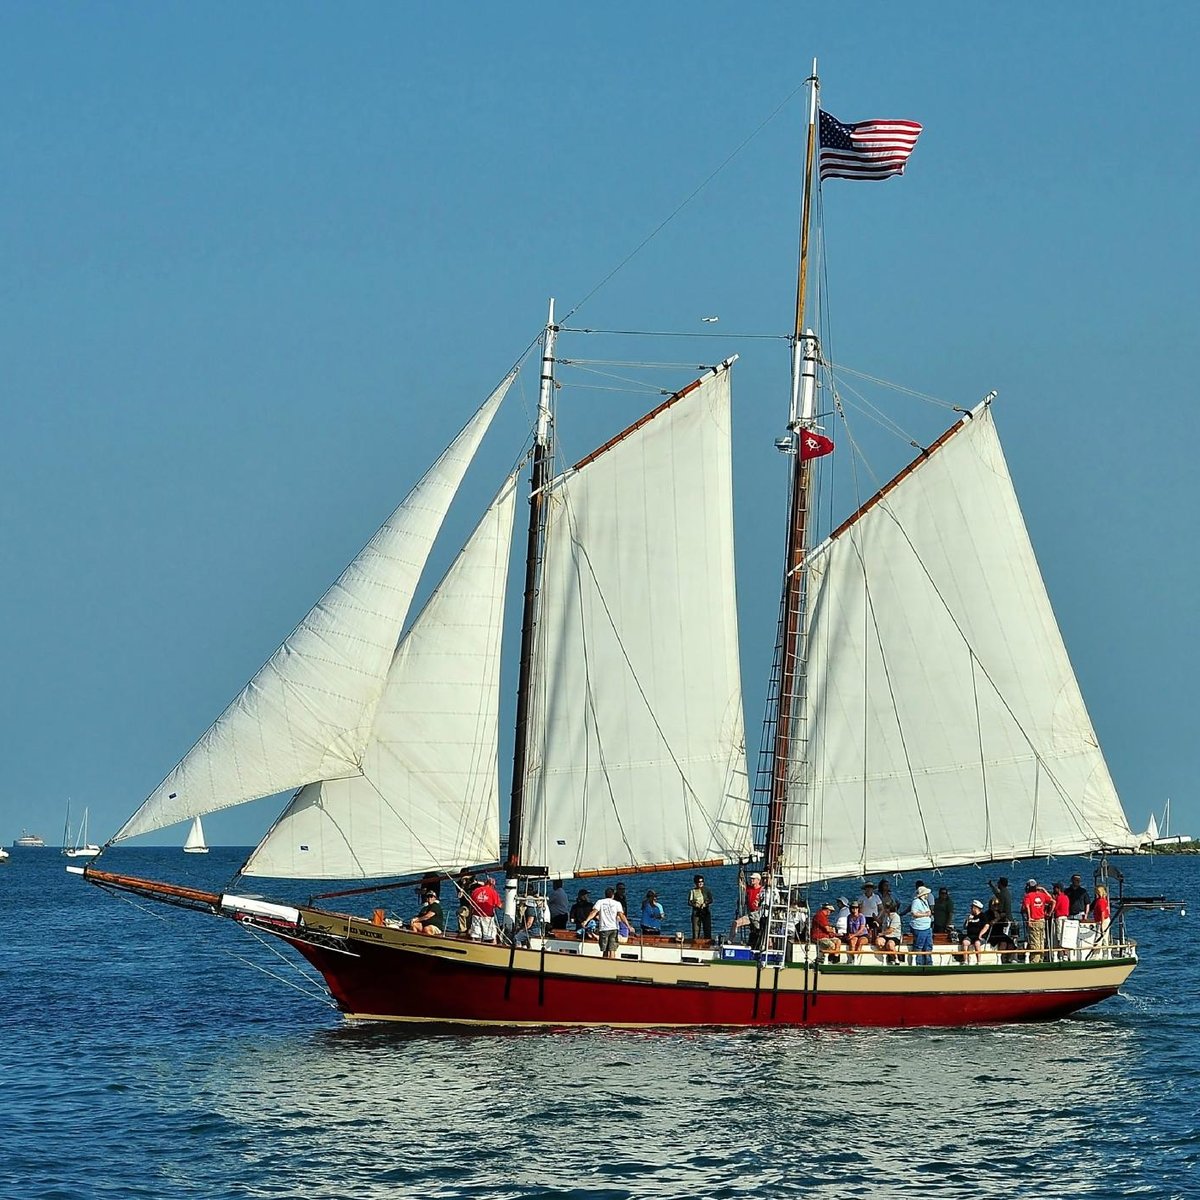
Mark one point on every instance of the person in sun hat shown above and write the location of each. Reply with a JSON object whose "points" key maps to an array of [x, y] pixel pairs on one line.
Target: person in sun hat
{"points": [[975, 933], [872, 905], [841, 915], [921, 922]]}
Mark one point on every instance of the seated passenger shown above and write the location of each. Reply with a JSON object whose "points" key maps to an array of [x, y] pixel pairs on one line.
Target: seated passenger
{"points": [[1001, 935], [891, 934], [431, 919], [823, 935], [857, 936], [975, 932]]}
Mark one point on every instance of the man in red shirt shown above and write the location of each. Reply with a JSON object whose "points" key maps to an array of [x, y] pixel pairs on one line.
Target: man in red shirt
{"points": [[823, 935], [1037, 906], [484, 902], [754, 910]]}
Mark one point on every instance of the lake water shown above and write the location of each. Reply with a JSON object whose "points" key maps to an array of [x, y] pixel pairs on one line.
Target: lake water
{"points": [[147, 1053]]}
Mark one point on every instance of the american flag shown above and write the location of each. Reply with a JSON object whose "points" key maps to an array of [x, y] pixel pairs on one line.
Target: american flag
{"points": [[866, 150]]}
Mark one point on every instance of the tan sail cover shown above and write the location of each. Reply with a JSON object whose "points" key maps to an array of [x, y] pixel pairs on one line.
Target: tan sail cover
{"points": [[428, 795], [944, 721], [308, 712], [636, 733]]}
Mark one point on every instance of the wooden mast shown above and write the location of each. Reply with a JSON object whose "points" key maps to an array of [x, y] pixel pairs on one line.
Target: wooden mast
{"points": [[803, 396], [533, 552]]}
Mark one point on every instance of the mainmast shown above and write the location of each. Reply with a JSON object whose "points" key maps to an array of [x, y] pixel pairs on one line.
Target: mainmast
{"points": [[533, 552], [805, 352]]}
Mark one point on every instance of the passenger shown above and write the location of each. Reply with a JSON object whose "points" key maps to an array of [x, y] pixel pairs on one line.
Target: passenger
{"points": [[823, 934], [1003, 893], [529, 924], [943, 912], [559, 904], [1036, 906], [581, 908], [607, 913], [464, 886], [755, 911], [872, 905], [1062, 913], [857, 936], [841, 917], [886, 896], [1102, 915], [620, 897], [976, 930], [431, 919], [1079, 898], [485, 902], [700, 900], [921, 924], [652, 914], [891, 933], [1001, 936]]}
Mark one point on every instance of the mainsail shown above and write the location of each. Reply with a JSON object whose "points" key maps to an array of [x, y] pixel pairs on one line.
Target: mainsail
{"points": [[943, 721], [637, 742], [428, 795], [308, 712]]}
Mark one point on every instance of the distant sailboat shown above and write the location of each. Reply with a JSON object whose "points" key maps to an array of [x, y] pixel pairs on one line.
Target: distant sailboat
{"points": [[195, 843], [81, 847]]}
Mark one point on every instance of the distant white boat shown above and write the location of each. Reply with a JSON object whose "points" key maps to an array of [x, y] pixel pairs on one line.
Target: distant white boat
{"points": [[195, 843], [80, 847], [1161, 835], [29, 839], [3, 854]]}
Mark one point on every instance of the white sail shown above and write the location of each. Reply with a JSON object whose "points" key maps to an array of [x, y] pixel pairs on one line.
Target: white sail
{"points": [[636, 734], [195, 843], [307, 713], [944, 722], [428, 795]]}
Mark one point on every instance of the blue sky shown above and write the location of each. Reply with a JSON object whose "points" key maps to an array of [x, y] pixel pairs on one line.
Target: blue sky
{"points": [[258, 263]]}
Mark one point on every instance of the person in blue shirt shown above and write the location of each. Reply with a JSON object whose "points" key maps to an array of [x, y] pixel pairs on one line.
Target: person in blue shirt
{"points": [[652, 913]]}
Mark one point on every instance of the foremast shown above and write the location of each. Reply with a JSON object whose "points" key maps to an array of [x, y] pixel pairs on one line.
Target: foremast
{"points": [[788, 755], [542, 458]]}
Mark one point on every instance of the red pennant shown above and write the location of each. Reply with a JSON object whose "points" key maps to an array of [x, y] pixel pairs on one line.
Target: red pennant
{"points": [[813, 445]]}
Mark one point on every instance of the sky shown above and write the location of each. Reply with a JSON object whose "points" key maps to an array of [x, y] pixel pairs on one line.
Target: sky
{"points": [[259, 263]]}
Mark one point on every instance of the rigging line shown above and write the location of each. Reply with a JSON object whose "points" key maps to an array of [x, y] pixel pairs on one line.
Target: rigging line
{"points": [[896, 387], [638, 384], [660, 333], [695, 192], [646, 364]]}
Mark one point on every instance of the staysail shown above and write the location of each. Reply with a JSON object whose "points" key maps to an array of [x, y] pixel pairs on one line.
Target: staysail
{"points": [[637, 746], [307, 714], [428, 795], [944, 723]]}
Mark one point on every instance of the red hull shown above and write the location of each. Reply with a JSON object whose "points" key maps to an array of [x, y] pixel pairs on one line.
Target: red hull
{"points": [[388, 984]]}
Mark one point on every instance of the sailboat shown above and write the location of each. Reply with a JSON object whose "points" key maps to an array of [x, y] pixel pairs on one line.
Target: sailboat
{"points": [[80, 847], [922, 713], [195, 843]]}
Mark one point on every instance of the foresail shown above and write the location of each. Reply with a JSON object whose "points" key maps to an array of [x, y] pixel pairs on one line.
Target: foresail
{"points": [[307, 714], [637, 743], [428, 795], [944, 722]]}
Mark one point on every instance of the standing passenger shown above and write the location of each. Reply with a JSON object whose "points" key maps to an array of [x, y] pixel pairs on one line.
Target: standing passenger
{"points": [[652, 914], [922, 926], [943, 911], [608, 913], [1036, 906], [700, 900], [559, 904]]}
